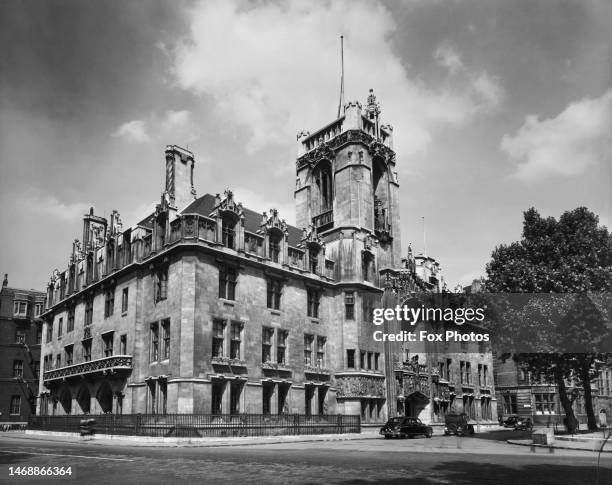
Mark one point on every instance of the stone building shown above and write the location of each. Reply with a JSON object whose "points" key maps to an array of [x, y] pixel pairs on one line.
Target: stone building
{"points": [[206, 306], [20, 338], [520, 392]]}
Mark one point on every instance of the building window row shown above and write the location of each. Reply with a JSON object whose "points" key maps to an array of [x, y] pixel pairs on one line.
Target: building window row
{"points": [[367, 360]]}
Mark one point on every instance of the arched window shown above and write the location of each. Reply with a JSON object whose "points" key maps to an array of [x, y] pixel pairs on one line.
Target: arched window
{"points": [[322, 177]]}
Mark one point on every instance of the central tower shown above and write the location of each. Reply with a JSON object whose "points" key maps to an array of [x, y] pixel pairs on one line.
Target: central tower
{"points": [[347, 191]]}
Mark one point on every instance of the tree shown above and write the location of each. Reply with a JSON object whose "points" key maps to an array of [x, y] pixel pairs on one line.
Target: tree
{"points": [[565, 265]]}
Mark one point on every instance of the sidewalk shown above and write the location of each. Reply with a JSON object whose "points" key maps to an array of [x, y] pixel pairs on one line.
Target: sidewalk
{"points": [[148, 441], [584, 442]]}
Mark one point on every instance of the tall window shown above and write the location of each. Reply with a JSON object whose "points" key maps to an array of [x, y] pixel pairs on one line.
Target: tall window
{"points": [[313, 302], [274, 294], [322, 176], [217, 396], [228, 232], [123, 344], [38, 309], [267, 390], [60, 327], [18, 368], [236, 337], [281, 346], [349, 305], [87, 350], [109, 302], [38, 334], [20, 308], [274, 249], [510, 404], [313, 258], [320, 351], [366, 265], [235, 392], [545, 403], [70, 325], [267, 335], [58, 361], [165, 330], [88, 311], [49, 332], [227, 282], [107, 342], [350, 358], [161, 284], [308, 339], [124, 300], [154, 342], [15, 408], [69, 354], [217, 341], [376, 360]]}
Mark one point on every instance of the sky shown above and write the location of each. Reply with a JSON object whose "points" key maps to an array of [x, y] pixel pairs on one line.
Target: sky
{"points": [[496, 105]]}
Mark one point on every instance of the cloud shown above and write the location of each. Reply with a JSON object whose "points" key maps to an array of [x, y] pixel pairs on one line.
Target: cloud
{"points": [[175, 126], [134, 130], [565, 145], [35, 202], [448, 57], [260, 202], [274, 69], [486, 90]]}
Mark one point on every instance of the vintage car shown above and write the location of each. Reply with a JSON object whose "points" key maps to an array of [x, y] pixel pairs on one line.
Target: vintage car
{"points": [[458, 424], [405, 427], [510, 421]]}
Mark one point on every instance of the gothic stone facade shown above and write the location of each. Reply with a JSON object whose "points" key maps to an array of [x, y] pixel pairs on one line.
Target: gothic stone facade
{"points": [[208, 307]]}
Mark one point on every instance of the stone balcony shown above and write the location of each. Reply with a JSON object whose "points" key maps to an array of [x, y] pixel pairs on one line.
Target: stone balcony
{"points": [[106, 365]]}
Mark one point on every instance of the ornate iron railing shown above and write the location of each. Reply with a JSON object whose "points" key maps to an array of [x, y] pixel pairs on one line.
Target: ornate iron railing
{"points": [[106, 364]]}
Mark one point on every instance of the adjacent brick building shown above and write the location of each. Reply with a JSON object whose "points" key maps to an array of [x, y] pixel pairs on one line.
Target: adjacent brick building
{"points": [[20, 338], [206, 306]]}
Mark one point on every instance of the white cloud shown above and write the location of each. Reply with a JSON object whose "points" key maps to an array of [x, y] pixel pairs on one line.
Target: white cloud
{"points": [[134, 130], [260, 202], [36, 202], [448, 57], [172, 127], [565, 145], [274, 68]]}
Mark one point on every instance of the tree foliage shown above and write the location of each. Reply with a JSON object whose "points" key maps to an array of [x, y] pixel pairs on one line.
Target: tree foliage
{"points": [[565, 266]]}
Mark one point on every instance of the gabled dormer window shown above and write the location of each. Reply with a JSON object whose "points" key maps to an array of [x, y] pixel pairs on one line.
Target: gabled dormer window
{"points": [[228, 232]]}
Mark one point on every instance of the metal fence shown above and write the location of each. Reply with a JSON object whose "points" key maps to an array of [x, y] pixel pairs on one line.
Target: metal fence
{"points": [[203, 425]]}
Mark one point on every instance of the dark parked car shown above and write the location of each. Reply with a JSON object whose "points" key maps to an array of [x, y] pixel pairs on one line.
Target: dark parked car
{"points": [[404, 427], [510, 421], [458, 424]]}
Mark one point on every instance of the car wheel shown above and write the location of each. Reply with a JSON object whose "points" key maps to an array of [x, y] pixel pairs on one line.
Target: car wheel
{"points": [[429, 434], [387, 437]]}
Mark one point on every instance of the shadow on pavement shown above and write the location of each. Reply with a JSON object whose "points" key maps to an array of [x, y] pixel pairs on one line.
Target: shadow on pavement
{"points": [[457, 472]]}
